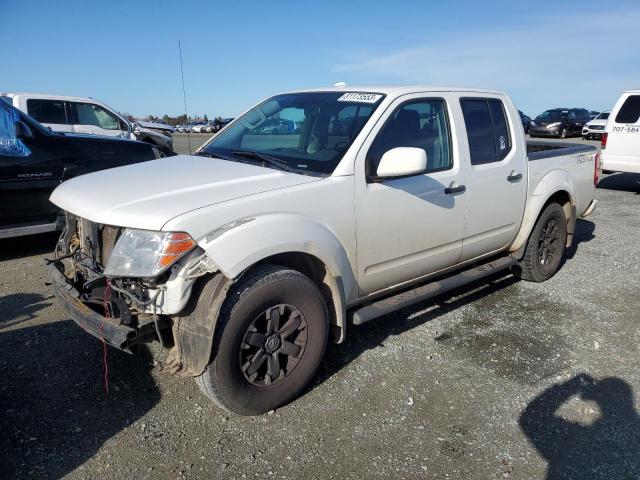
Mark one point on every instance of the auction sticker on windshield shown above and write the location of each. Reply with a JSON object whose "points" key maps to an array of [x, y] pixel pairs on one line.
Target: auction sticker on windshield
{"points": [[360, 97]]}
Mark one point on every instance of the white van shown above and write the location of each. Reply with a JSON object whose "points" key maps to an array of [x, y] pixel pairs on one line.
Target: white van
{"points": [[620, 151], [85, 115]]}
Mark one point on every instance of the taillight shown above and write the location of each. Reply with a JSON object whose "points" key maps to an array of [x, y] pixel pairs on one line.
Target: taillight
{"points": [[596, 169], [603, 143]]}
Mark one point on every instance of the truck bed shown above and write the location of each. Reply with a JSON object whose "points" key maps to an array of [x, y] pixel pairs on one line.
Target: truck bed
{"points": [[540, 149], [548, 160]]}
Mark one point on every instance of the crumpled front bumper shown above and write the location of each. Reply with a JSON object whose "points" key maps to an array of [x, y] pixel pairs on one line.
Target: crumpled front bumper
{"points": [[107, 329]]}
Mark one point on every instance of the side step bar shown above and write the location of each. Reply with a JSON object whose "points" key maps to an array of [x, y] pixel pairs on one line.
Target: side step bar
{"points": [[19, 231], [424, 292]]}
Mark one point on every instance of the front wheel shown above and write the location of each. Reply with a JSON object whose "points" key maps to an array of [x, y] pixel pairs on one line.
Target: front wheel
{"points": [[269, 341], [545, 247], [563, 133]]}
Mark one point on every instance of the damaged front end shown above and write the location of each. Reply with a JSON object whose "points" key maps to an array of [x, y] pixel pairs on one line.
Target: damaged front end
{"points": [[113, 295]]}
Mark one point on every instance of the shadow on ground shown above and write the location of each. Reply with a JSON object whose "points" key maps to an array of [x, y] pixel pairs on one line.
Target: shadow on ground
{"points": [[625, 182], [16, 308], [583, 233], [373, 334], [54, 412], [608, 448], [366, 337]]}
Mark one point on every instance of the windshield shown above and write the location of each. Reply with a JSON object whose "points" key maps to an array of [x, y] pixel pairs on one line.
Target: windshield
{"points": [[304, 132], [555, 114], [603, 116]]}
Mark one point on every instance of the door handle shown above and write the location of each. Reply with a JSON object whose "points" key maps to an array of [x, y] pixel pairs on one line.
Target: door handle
{"points": [[454, 188], [514, 177]]}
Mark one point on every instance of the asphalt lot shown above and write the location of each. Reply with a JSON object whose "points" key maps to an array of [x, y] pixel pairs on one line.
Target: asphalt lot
{"points": [[493, 381]]}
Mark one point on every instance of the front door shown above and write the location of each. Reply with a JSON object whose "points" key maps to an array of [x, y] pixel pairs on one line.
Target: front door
{"points": [[412, 226], [93, 119]]}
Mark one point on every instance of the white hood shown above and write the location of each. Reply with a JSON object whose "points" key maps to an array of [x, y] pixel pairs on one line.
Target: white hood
{"points": [[147, 195]]}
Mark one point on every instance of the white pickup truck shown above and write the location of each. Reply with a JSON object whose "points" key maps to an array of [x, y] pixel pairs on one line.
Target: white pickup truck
{"points": [[245, 258]]}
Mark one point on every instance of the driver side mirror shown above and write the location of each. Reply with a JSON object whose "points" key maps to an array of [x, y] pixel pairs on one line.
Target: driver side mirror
{"points": [[23, 131], [402, 161]]}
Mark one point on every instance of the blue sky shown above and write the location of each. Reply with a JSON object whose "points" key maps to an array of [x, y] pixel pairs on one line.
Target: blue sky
{"points": [[545, 53]]}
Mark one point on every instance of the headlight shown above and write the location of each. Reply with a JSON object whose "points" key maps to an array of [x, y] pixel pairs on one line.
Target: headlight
{"points": [[553, 125], [143, 253]]}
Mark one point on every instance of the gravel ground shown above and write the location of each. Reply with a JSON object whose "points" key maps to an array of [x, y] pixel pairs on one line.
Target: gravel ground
{"points": [[502, 379]]}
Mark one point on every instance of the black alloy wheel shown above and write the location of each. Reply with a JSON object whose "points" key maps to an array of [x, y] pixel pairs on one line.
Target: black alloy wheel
{"points": [[273, 345]]}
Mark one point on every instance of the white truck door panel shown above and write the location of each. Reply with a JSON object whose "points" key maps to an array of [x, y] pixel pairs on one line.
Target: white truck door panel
{"points": [[409, 227], [497, 190], [93, 119]]}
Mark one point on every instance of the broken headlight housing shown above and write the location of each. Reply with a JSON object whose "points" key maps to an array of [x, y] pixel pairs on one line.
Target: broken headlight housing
{"points": [[146, 254]]}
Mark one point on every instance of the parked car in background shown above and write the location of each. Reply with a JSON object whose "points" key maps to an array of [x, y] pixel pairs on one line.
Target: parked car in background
{"points": [[34, 160], [526, 121], [559, 122], [245, 262], [276, 127], [210, 127], [86, 115], [197, 127], [159, 127], [620, 149], [595, 127]]}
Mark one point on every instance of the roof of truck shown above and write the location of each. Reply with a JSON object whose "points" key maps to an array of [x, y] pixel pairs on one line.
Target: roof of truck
{"points": [[399, 89], [49, 96]]}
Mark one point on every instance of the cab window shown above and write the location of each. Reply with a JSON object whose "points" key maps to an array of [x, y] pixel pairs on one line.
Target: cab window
{"points": [[420, 124], [630, 110], [48, 111], [91, 114], [487, 129]]}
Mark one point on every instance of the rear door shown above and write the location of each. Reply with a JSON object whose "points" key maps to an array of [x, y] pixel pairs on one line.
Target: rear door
{"points": [[496, 193], [91, 118], [50, 113], [30, 168]]}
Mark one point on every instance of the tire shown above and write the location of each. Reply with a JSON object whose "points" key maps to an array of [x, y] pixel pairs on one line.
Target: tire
{"points": [[563, 133], [535, 266], [245, 353]]}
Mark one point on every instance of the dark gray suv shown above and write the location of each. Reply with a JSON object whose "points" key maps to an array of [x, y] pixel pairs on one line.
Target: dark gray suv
{"points": [[560, 122]]}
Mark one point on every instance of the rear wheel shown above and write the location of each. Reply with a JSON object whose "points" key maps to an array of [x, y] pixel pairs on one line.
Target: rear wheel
{"points": [[270, 338], [546, 245]]}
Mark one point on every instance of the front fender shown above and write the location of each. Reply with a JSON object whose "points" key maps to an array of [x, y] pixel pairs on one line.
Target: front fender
{"points": [[553, 182], [241, 244], [237, 246]]}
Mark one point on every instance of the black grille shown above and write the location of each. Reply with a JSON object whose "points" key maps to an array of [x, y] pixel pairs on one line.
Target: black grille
{"points": [[596, 127], [107, 238]]}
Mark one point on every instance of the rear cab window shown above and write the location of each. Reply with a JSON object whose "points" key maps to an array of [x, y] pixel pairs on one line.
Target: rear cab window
{"points": [[630, 110], [48, 111], [487, 129]]}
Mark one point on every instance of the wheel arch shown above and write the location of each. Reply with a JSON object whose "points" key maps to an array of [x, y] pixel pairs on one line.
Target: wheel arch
{"points": [[536, 205], [330, 286], [293, 241]]}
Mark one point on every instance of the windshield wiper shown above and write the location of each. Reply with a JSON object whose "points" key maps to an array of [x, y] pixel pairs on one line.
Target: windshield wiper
{"points": [[203, 153], [265, 159]]}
